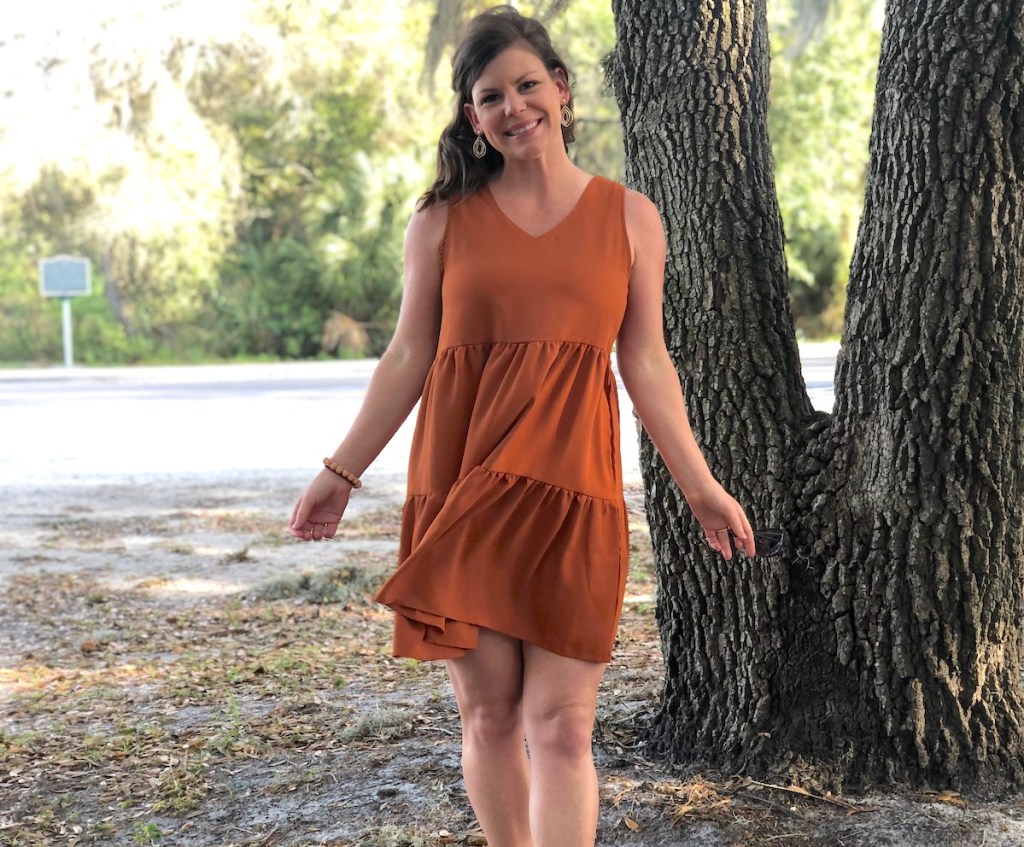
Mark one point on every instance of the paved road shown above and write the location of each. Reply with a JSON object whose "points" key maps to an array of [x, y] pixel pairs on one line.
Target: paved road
{"points": [[87, 425]]}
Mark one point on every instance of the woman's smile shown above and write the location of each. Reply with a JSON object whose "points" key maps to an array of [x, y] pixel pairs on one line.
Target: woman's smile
{"points": [[522, 129]]}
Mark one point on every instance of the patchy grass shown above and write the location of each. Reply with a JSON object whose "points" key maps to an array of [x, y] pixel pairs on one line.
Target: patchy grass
{"points": [[381, 725], [339, 585], [380, 524], [133, 714]]}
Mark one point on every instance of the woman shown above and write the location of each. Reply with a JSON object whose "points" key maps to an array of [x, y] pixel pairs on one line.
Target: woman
{"points": [[521, 271]]}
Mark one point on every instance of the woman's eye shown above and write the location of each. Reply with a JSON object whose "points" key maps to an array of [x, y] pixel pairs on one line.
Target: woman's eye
{"points": [[529, 84]]}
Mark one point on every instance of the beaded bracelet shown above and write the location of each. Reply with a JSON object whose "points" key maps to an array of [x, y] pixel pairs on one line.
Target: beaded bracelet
{"points": [[348, 476]]}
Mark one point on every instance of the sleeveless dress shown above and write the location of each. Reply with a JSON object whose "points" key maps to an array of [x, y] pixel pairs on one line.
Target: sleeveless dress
{"points": [[515, 519]]}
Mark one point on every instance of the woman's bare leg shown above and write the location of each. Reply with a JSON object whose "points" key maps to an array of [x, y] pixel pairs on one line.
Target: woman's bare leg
{"points": [[559, 702], [488, 683]]}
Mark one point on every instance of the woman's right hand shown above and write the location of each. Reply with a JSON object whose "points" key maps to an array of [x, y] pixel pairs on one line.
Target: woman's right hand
{"points": [[320, 507]]}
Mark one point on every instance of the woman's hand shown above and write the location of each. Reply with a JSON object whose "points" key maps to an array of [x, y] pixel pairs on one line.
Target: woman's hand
{"points": [[718, 514], [320, 507]]}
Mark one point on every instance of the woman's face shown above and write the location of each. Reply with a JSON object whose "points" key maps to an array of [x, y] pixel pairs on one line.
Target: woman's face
{"points": [[517, 104]]}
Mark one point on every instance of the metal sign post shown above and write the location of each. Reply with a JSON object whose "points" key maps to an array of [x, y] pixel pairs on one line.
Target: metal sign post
{"points": [[65, 277]]}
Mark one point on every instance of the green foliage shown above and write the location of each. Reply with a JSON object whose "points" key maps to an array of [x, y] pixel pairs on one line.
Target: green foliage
{"points": [[24, 315], [239, 192], [51, 218], [269, 301], [146, 833], [100, 338], [138, 223], [32, 228], [823, 75], [315, 234]]}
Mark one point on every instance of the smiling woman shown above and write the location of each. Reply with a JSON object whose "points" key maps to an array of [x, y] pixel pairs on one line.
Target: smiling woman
{"points": [[521, 273]]}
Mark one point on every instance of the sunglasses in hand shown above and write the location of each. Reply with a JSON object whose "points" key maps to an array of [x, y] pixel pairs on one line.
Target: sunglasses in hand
{"points": [[767, 542]]}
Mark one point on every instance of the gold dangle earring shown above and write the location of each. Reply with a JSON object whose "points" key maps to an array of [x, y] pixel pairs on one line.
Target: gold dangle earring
{"points": [[567, 116], [479, 146]]}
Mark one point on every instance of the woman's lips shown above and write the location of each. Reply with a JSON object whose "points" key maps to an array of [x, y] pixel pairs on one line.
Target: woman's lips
{"points": [[523, 129]]}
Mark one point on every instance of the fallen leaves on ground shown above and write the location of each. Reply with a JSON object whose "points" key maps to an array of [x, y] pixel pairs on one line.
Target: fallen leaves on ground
{"points": [[137, 715]]}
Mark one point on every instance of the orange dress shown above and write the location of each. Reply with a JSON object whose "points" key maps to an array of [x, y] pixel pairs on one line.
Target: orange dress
{"points": [[515, 519]]}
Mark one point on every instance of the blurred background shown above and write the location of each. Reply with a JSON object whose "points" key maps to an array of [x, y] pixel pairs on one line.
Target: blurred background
{"points": [[240, 172]]}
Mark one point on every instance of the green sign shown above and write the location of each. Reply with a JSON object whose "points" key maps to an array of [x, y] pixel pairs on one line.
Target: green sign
{"points": [[64, 276]]}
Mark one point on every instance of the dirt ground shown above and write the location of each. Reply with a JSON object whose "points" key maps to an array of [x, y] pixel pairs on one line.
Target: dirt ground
{"points": [[175, 670]]}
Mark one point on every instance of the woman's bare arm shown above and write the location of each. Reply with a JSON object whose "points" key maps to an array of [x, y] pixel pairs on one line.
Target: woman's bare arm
{"points": [[397, 381], [653, 386]]}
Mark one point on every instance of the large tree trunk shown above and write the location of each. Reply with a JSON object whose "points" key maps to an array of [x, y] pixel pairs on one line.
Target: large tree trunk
{"points": [[886, 642]]}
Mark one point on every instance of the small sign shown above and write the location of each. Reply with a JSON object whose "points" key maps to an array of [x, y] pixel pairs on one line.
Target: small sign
{"points": [[64, 276]]}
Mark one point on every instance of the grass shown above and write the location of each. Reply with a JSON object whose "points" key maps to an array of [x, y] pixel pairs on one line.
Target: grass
{"points": [[146, 833], [381, 725], [340, 585]]}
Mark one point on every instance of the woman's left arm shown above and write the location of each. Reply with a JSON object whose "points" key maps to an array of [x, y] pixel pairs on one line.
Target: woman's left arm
{"points": [[653, 385]]}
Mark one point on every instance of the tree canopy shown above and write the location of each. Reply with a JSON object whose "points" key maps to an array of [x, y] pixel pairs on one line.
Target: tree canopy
{"points": [[242, 179]]}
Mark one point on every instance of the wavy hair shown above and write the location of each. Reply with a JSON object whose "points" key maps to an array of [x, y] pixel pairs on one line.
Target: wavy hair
{"points": [[459, 173]]}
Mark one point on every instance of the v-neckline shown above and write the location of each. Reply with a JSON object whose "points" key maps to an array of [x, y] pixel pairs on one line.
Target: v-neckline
{"points": [[501, 212]]}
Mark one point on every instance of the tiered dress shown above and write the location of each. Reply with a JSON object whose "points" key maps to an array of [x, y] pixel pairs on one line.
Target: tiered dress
{"points": [[515, 518]]}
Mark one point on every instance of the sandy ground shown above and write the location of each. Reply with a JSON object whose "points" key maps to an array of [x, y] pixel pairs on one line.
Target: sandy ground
{"points": [[119, 586]]}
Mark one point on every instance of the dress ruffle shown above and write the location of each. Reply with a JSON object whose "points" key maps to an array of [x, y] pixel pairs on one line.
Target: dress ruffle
{"points": [[474, 558]]}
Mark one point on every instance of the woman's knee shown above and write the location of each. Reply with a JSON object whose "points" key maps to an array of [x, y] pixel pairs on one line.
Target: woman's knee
{"points": [[564, 732], [492, 724]]}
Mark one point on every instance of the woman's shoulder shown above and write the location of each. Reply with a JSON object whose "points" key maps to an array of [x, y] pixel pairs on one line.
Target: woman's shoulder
{"points": [[642, 216], [636, 203], [426, 230], [428, 220]]}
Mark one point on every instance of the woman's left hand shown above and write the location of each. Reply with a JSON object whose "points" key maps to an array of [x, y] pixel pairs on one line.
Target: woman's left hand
{"points": [[718, 513]]}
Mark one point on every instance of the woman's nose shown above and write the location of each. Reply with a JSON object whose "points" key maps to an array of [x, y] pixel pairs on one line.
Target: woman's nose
{"points": [[514, 104]]}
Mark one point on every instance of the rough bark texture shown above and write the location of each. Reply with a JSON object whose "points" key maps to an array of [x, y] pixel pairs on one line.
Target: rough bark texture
{"points": [[886, 643]]}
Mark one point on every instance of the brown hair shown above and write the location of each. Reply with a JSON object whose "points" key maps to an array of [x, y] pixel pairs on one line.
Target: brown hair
{"points": [[459, 172]]}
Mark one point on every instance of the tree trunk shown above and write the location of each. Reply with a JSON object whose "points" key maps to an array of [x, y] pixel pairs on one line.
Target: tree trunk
{"points": [[885, 644]]}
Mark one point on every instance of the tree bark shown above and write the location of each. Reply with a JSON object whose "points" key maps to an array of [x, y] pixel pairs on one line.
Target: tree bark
{"points": [[886, 643]]}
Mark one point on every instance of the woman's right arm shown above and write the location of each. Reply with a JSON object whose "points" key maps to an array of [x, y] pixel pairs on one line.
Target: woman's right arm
{"points": [[397, 380]]}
